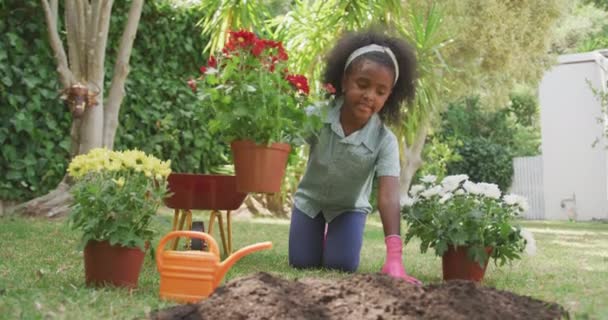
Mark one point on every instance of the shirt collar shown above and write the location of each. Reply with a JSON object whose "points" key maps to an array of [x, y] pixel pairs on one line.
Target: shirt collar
{"points": [[368, 135]]}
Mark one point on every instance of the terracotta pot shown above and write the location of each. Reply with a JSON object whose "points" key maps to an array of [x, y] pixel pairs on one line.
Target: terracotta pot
{"points": [[457, 265], [259, 168], [112, 265]]}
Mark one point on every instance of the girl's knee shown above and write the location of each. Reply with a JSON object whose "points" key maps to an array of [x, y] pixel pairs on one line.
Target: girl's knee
{"points": [[299, 262], [345, 264]]}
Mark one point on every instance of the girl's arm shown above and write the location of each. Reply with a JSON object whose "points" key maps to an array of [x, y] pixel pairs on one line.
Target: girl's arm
{"points": [[388, 204]]}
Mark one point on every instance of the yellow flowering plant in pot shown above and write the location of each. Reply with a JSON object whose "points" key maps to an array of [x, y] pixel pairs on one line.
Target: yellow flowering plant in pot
{"points": [[115, 195], [258, 106]]}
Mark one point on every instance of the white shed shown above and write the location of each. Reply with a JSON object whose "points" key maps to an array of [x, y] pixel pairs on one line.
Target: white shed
{"points": [[575, 175]]}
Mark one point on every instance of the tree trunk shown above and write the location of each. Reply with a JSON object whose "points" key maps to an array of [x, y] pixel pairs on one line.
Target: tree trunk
{"points": [[87, 24], [412, 159]]}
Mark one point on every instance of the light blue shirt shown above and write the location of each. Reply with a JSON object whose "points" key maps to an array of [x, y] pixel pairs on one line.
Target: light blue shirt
{"points": [[340, 170]]}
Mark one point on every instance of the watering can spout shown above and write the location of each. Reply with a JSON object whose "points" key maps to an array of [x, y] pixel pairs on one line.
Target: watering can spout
{"points": [[225, 266]]}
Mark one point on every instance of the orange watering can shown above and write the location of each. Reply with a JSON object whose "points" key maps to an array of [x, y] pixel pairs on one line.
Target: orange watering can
{"points": [[189, 276]]}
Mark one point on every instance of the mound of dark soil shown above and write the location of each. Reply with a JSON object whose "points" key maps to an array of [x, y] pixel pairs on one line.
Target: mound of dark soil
{"points": [[360, 296]]}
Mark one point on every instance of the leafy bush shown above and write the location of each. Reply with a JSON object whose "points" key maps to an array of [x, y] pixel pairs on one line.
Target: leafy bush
{"points": [[481, 142], [34, 125], [484, 160], [157, 114]]}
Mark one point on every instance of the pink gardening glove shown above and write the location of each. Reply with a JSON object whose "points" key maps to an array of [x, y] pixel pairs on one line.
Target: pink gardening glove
{"points": [[394, 263]]}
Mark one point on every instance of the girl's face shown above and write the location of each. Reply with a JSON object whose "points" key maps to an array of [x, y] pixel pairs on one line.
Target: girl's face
{"points": [[366, 87]]}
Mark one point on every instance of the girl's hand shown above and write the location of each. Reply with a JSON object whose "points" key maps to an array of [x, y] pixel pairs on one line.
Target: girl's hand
{"points": [[394, 263]]}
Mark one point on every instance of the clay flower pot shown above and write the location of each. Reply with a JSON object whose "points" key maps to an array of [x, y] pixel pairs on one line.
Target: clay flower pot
{"points": [[457, 265], [115, 265], [259, 168]]}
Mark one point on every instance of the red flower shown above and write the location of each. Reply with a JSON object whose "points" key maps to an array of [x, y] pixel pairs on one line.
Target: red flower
{"points": [[258, 47], [228, 47], [203, 69], [282, 54], [299, 82], [212, 62], [329, 88], [192, 85], [242, 38]]}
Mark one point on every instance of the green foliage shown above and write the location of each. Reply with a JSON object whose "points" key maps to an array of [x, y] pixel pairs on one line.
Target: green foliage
{"points": [[115, 196], [220, 16], [437, 155], [581, 27], [498, 44], [483, 142], [457, 212], [484, 160], [157, 113], [34, 124]]}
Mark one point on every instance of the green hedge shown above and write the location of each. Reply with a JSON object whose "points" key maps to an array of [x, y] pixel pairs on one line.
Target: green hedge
{"points": [[481, 142], [157, 114]]}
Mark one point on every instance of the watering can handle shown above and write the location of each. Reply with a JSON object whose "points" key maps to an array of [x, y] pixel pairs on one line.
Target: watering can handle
{"points": [[213, 248]]}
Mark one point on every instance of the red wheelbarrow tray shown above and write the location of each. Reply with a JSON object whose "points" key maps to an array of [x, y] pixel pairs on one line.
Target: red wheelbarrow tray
{"points": [[203, 192]]}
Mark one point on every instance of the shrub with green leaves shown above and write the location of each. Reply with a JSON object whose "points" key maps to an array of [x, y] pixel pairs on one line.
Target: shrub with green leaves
{"points": [[157, 115], [458, 212], [484, 160]]}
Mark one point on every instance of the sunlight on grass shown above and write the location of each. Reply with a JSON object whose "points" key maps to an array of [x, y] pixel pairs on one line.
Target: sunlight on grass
{"points": [[42, 272]]}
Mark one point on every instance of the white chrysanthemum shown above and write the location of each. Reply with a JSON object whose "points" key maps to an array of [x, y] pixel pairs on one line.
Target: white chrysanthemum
{"points": [[450, 183], [429, 178], [513, 199], [415, 189], [459, 192], [530, 242], [431, 192], [406, 201], [471, 187], [489, 190], [445, 198]]}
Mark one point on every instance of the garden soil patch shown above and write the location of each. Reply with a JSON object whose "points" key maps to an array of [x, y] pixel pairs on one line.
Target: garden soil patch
{"points": [[360, 296]]}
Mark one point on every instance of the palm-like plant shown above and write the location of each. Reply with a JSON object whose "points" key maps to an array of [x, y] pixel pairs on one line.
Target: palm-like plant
{"points": [[224, 15], [423, 29]]}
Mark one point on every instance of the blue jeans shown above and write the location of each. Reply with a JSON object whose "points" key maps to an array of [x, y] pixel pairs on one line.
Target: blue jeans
{"points": [[342, 247]]}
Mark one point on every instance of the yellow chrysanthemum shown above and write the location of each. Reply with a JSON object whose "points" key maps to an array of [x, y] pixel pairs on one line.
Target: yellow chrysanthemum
{"points": [[101, 159]]}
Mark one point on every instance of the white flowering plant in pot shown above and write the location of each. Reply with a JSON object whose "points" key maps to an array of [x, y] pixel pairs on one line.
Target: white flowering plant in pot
{"points": [[460, 213]]}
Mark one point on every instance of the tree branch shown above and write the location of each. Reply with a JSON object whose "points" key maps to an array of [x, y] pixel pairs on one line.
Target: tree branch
{"points": [[412, 158], [121, 71], [65, 75], [100, 42], [74, 52], [55, 9], [81, 15], [92, 23]]}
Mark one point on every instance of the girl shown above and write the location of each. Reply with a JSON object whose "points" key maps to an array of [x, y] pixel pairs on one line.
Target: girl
{"points": [[372, 74]]}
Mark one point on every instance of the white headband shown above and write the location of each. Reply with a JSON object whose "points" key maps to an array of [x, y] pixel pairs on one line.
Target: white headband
{"points": [[374, 48]]}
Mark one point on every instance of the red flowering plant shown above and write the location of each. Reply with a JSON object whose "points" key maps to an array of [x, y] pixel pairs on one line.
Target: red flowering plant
{"points": [[252, 93]]}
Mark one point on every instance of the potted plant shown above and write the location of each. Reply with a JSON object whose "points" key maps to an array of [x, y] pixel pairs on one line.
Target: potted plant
{"points": [[115, 196], [466, 223], [259, 106]]}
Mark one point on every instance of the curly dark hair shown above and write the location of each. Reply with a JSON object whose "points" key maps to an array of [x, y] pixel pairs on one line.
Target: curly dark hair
{"points": [[404, 89]]}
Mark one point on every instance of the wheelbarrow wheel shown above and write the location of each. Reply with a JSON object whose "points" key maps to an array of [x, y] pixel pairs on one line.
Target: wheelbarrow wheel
{"points": [[198, 244]]}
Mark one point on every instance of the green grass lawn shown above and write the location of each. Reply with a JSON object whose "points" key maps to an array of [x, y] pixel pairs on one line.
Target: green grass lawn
{"points": [[42, 271]]}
